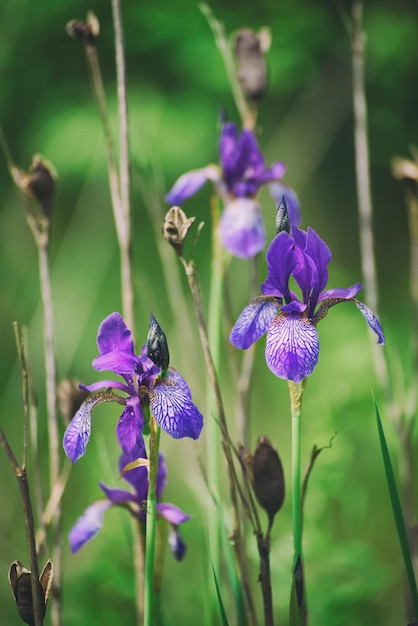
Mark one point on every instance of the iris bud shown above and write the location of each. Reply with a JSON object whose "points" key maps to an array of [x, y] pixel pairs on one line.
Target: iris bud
{"points": [[282, 217], [268, 477], [157, 347]]}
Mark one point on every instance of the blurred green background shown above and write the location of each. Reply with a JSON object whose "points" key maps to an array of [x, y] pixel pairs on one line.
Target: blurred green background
{"points": [[177, 85]]}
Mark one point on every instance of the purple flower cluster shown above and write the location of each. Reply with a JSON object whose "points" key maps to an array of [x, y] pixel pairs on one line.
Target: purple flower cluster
{"points": [[148, 384], [88, 525], [292, 345], [242, 173]]}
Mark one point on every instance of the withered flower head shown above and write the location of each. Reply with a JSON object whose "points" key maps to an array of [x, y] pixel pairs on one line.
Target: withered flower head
{"points": [[250, 49], [175, 228], [268, 477], [20, 584], [86, 32]]}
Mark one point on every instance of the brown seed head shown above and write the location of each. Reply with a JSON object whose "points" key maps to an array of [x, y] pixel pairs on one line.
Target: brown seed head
{"points": [[175, 228]]}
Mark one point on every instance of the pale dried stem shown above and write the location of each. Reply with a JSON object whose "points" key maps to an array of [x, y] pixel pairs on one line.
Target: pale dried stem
{"points": [[237, 539]]}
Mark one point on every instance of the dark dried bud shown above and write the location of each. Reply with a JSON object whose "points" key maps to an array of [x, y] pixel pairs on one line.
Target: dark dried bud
{"points": [[70, 398], [250, 49], [20, 584], [41, 183], [282, 217], [157, 347], [175, 228], [268, 477], [86, 32]]}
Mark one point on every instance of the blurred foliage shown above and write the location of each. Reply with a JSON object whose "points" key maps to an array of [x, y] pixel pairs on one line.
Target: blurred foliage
{"points": [[177, 85]]}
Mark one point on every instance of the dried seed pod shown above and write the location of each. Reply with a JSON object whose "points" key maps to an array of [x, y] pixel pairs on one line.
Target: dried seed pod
{"points": [[41, 183], [268, 477], [250, 49], [86, 32], [175, 228], [157, 347], [20, 584]]}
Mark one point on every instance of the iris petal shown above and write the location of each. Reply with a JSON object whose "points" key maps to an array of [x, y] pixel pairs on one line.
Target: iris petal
{"points": [[77, 434], [117, 496], [281, 261], [292, 347], [88, 525], [174, 411], [372, 320], [187, 185], [172, 513], [254, 321], [114, 335], [177, 545], [241, 228], [129, 428]]}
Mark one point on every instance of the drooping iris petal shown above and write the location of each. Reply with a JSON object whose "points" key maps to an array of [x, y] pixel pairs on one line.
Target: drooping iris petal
{"points": [[372, 320], [114, 335], [253, 322], [177, 545], [278, 190], [129, 427], [172, 513], [281, 261], [267, 175], [88, 525], [241, 228], [77, 434], [292, 347], [117, 496], [187, 185], [174, 411]]}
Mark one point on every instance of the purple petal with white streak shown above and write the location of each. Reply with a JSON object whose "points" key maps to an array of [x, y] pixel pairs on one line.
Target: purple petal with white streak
{"points": [[177, 545], [77, 434], [254, 321], [292, 347]]}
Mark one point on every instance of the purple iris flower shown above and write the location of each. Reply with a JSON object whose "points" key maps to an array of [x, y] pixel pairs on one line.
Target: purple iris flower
{"points": [[242, 173], [88, 525], [168, 398], [292, 346]]}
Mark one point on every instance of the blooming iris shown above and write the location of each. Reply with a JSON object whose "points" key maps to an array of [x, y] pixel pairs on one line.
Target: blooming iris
{"points": [[169, 398], [292, 346], [242, 173], [89, 524]]}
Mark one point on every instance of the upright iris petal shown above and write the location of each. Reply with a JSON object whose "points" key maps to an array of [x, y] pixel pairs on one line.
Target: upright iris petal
{"points": [[292, 345]]}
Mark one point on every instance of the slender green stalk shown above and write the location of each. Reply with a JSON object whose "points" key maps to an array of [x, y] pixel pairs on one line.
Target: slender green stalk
{"points": [[154, 443], [296, 394]]}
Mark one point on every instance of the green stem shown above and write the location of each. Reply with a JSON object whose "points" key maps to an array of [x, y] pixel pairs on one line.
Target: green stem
{"points": [[298, 602], [154, 443]]}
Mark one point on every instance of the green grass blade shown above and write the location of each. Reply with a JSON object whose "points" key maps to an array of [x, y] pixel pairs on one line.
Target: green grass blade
{"points": [[397, 513], [219, 596]]}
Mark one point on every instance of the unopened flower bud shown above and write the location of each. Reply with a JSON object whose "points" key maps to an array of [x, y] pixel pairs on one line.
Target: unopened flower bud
{"points": [[175, 228], [70, 398], [157, 347], [86, 32], [282, 217], [268, 477], [250, 49], [20, 584]]}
